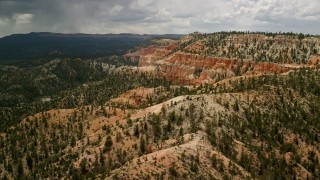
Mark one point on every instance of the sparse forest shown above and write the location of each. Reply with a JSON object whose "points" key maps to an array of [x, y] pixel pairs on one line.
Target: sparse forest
{"points": [[106, 118]]}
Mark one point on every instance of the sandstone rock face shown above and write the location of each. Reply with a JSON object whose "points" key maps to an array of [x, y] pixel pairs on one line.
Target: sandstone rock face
{"points": [[149, 54], [199, 58], [196, 69], [150, 50]]}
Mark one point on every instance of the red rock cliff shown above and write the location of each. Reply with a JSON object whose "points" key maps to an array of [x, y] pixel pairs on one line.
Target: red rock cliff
{"points": [[196, 69]]}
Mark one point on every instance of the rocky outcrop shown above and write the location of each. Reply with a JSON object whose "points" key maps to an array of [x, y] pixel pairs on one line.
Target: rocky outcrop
{"points": [[150, 50], [314, 60], [197, 69], [199, 58]]}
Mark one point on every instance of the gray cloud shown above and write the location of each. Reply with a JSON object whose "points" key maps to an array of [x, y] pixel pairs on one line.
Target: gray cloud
{"points": [[151, 16]]}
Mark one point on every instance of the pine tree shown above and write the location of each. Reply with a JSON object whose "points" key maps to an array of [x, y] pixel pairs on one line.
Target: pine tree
{"points": [[142, 145], [108, 143]]}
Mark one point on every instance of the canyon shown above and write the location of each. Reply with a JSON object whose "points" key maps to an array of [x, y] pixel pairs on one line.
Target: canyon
{"points": [[186, 67], [227, 105]]}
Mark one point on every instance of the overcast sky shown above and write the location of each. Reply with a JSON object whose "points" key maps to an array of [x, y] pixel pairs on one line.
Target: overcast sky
{"points": [[158, 16]]}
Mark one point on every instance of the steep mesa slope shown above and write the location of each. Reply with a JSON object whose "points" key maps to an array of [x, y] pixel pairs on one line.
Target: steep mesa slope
{"points": [[200, 58]]}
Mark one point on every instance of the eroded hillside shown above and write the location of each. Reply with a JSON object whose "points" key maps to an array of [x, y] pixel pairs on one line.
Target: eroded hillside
{"points": [[264, 126], [208, 58], [184, 113]]}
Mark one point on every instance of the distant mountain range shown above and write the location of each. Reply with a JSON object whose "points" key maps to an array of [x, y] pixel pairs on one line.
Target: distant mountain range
{"points": [[21, 47]]}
